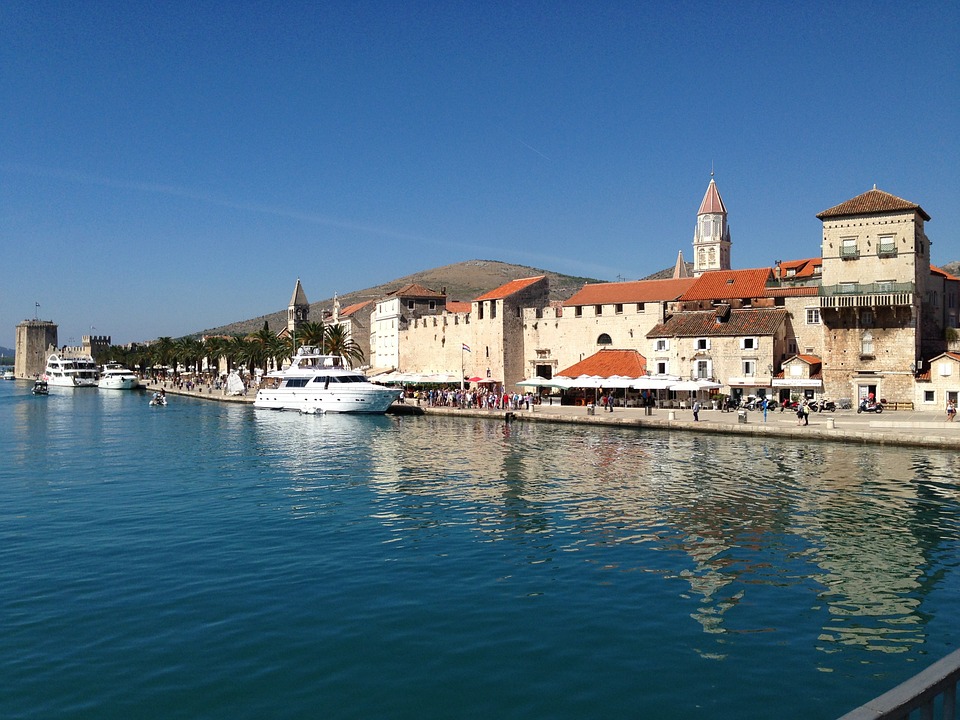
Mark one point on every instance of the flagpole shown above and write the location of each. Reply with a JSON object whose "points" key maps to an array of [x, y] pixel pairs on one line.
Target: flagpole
{"points": [[461, 367]]}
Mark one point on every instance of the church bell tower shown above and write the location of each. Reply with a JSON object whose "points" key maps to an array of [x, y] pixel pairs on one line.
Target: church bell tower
{"points": [[711, 239], [298, 310]]}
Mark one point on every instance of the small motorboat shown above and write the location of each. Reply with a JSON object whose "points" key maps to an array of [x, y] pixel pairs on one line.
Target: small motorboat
{"points": [[158, 400], [40, 388]]}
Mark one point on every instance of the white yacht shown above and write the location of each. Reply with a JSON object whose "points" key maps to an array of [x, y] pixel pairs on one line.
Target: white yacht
{"points": [[80, 371], [315, 383], [116, 377], [8, 375]]}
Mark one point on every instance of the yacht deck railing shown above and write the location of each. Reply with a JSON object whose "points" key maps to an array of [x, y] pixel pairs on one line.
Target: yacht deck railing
{"points": [[922, 695]]}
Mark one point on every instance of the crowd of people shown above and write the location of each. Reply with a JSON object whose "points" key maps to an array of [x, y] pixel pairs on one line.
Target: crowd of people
{"points": [[481, 398]]}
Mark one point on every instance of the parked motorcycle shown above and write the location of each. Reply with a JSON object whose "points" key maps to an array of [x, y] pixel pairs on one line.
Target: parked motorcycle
{"points": [[866, 406], [823, 406]]}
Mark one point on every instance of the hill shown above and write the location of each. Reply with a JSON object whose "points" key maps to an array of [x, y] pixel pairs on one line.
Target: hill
{"points": [[462, 281]]}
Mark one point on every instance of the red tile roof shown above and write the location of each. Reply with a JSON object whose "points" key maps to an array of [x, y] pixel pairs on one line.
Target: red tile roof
{"points": [[458, 306], [711, 201], [704, 323], [872, 201], [607, 363], [793, 291], [729, 285], [415, 290], [943, 273], [351, 309], [508, 289], [630, 292], [801, 268]]}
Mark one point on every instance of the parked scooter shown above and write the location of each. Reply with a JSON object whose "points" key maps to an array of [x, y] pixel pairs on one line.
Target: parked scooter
{"points": [[867, 406], [823, 406]]}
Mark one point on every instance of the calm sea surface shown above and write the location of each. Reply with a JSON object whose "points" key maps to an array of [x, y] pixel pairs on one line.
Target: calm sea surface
{"points": [[212, 561]]}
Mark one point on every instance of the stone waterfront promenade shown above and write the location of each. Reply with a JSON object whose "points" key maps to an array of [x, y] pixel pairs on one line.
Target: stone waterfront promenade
{"points": [[894, 427]]}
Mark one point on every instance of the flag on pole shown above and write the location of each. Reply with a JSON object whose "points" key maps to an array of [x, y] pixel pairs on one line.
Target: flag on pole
{"points": [[466, 347]]}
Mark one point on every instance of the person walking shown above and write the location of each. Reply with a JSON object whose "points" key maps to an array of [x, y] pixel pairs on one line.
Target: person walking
{"points": [[951, 411], [696, 410]]}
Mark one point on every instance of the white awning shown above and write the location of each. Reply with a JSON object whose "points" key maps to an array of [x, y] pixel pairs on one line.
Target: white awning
{"points": [[797, 383], [749, 381]]}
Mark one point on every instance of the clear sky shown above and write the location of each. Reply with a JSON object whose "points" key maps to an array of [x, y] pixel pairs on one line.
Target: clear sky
{"points": [[167, 167]]}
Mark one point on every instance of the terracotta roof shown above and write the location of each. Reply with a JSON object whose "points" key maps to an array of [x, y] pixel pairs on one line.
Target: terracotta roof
{"points": [[711, 201], [457, 306], [351, 309], [801, 268], [415, 290], [943, 273], [793, 291], [508, 289], [729, 285], [872, 201], [607, 363], [703, 323], [630, 292]]}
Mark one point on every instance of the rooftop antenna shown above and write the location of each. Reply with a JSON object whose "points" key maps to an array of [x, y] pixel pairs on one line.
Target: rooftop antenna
{"points": [[36, 311]]}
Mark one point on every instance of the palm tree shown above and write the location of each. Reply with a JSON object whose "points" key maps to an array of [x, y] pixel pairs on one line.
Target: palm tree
{"points": [[339, 342], [311, 333], [261, 341], [189, 352], [163, 350], [214, 348]]}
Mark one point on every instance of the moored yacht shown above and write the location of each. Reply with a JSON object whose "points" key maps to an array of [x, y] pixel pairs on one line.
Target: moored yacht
{"points": [[116, 377], [78, 371], [322, 383]]}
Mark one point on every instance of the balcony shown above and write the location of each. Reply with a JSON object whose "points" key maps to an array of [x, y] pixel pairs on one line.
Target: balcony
{"points": [[849, 253], [867, 295]]}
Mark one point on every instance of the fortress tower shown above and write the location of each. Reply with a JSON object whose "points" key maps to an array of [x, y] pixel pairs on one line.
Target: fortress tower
{"points": [[35, 340], [711, 239]]}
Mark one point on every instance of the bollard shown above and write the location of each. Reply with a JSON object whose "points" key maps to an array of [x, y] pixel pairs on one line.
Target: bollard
{"points": [[742, 416], [671, 415], [831, 424], [591, 409]]}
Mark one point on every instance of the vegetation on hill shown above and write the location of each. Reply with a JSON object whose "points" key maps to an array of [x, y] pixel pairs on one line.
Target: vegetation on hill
{"points": [[462, 281]]}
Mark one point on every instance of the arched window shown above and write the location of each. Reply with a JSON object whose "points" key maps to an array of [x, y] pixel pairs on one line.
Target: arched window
{"points": [[604, 339]]}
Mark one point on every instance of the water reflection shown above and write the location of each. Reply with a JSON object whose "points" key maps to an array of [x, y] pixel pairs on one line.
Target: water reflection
{"points": [[853, 531]]}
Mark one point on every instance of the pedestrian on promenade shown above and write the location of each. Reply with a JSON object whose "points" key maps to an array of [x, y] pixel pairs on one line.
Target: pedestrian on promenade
{"points": [[696, 410], [951, 410], [766, 404]]}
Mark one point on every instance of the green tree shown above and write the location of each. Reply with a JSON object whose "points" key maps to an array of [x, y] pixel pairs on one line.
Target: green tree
{"points": [[312, 333], [339, 342]]}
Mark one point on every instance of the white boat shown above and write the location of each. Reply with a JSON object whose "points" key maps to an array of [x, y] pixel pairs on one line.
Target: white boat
{"points": [[116, 377], [80, 371], [8, 375], [315, 383]]}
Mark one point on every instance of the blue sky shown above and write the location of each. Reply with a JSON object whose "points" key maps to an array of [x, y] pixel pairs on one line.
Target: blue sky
{"points": [[169, 167]]}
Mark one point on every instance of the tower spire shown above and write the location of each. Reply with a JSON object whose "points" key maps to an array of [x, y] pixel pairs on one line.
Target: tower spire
{"points": [[711, 238]]}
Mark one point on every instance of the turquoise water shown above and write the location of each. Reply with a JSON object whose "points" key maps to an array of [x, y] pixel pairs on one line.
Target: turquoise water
{"points": [[212, 561]]}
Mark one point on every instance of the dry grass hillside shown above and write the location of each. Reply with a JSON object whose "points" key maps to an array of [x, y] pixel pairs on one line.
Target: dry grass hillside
{"points": [[463, 281]]}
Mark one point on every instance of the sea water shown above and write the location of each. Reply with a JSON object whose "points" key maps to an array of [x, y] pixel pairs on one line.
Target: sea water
{"points": [[205, 560]]}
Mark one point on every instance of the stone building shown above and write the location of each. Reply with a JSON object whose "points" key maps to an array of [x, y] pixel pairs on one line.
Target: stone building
{"points": [[392, 316], [35, 340], [599, 316], [739, 348], [355, 320], [877, 321]]}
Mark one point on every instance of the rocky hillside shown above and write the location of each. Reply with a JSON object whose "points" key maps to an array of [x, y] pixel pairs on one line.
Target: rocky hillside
{"points": [[463, 281]]}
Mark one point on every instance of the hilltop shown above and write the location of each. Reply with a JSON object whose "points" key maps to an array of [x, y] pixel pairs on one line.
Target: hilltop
{"points": [[463, 281]]}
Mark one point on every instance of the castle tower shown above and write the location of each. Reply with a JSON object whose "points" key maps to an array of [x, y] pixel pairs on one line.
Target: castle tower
{"points": [[35, 340], [711, 239], [298, 310]]}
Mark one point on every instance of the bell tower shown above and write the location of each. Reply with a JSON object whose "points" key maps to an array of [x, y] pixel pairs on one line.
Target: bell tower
{"points": [[298, 310], [711, 239]]}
